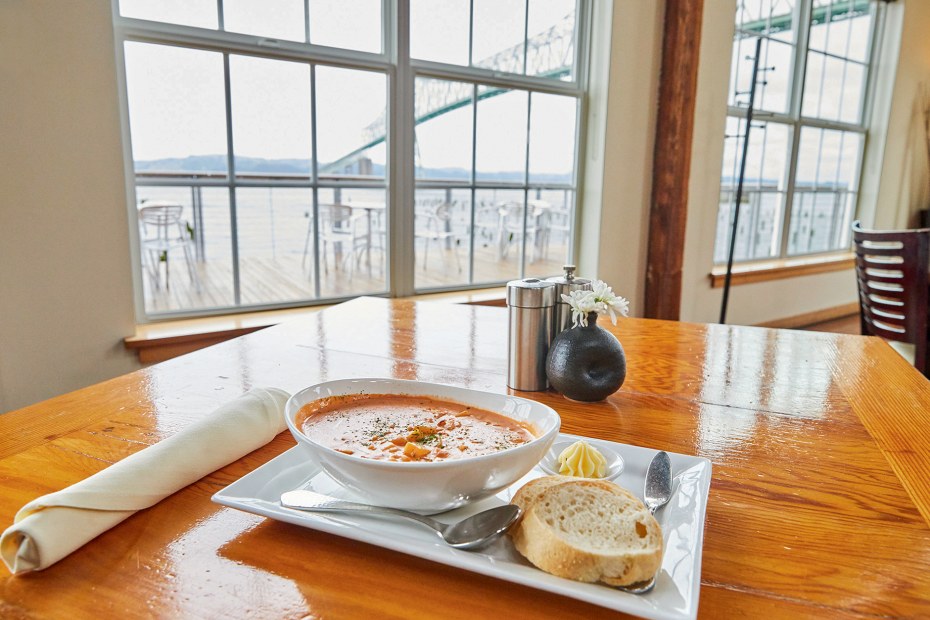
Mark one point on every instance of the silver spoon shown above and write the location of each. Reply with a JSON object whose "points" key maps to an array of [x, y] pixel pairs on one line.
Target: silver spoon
{"points": [[468, 533], [658, 482], [657, 492]]}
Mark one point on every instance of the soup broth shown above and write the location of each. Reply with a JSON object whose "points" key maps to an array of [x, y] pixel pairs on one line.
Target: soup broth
{"points": [[398, 427]]}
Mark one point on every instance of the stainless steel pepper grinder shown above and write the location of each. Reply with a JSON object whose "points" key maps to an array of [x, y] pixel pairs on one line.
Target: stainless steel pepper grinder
{"points": [[563, 286], [531, 305]]}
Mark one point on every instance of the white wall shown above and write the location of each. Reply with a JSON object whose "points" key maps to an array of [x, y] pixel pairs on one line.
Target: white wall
{"points": [[902, 167], [66, 298], [620, 138]]}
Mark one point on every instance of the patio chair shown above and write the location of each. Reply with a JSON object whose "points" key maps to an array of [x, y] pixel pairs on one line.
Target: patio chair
{"points": [[891, 275], [433, 224], [487, 220], [510, 228], [343, 230], [161, 232]]}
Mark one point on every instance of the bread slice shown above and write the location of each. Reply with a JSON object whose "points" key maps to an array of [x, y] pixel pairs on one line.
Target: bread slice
{"points": [[587, 530], [526, 496]]}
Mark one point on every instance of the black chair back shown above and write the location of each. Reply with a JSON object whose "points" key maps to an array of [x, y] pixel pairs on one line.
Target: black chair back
{"points": [[891, 275]]}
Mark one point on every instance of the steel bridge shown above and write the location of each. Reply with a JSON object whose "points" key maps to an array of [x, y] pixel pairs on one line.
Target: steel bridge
{"points": [[547, 54]]}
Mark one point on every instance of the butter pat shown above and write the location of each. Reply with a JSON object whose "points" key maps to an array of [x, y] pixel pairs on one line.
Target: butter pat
{"points": [[582, 461]]}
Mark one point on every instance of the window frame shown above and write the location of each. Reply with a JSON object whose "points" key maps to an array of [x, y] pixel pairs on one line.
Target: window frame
{"points": [[399, 182], [795, 121]]}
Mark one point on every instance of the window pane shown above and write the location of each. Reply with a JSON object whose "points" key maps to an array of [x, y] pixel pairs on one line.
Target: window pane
{"points": [[549, 242], [351, 110], [439, 30], [177, 118], [274, 233], [772, 86], [442, 220], [820, 221], [551, 39], [775, 18], [187, 258], [444, 119], [271, 117], [828, 159], [758, 233], [842, 28], [350, 24], [199, 13], [761, 207], [833, 89], [825, 190], [501, 134], [552, 138], [281, 19], [498, 35], [352, 241], [499, 234], [860, 31]]}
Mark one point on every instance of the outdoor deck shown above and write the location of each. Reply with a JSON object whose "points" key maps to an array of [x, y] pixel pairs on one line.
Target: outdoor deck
{"points": [[266, 280]]}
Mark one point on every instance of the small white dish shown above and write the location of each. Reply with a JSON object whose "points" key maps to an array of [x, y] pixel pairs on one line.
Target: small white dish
{"points": [[678, 585], [427, 487], [550, 462]]}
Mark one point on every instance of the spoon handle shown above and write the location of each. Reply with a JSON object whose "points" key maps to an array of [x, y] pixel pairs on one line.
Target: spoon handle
{"points": [[316, 502]]}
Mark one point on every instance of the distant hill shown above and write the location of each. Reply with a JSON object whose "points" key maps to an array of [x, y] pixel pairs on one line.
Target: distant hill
{"points": [[217, 163]]}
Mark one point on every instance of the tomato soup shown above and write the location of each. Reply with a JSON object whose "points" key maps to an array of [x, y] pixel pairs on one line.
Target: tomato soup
{"points": [[399, 427]]}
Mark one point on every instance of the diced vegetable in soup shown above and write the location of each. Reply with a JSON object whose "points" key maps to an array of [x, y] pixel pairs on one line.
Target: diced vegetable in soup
{"points": [[398, 427]]}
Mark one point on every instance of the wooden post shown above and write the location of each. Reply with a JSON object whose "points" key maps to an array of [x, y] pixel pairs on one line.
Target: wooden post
{"points": [[671, 162]]}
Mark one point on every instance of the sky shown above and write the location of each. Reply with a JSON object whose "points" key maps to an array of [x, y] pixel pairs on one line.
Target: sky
{"points": [[177, 105]]}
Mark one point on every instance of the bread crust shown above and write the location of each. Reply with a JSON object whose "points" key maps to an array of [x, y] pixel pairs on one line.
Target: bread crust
{"points": [[587, 530]]}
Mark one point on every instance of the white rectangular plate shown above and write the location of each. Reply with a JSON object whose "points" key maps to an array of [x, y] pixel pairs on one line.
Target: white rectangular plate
{"points": [[682, 519]]}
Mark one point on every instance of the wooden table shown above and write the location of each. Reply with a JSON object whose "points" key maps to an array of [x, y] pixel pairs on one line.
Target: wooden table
{"points": [[819, 504]]}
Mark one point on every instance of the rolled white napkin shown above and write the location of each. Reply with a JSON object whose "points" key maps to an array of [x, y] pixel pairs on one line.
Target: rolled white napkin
{"points": [[50, 527]]}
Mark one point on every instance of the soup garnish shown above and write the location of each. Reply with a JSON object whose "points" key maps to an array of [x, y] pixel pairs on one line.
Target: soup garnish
{"points": [[400, 427]]}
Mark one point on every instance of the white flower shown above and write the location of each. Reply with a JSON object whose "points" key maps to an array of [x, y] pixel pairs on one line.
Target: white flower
{"points": [[600, 299]]}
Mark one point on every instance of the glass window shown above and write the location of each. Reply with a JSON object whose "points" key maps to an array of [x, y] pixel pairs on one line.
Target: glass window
{"points": [[345, 24], [349, 24], [804, 150], [351, 131], [270, 116], [177, 119], [535, 37], [498, 35], [198, 13], [262, 169], [552, 138], [500, 143], [444, 116], [551, 38], [439, 30], [281, 19]]}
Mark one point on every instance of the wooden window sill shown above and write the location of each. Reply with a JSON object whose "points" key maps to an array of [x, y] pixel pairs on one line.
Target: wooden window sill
{"points": [[782, 269], [157, 342]]}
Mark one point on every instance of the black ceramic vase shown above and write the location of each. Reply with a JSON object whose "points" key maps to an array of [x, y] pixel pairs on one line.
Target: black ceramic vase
{"points": [[586, 363]]}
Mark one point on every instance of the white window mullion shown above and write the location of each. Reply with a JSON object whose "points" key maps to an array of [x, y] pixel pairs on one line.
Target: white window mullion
{"points": [[231, 176], [402, 195], [315, 179], [803, 17]]}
